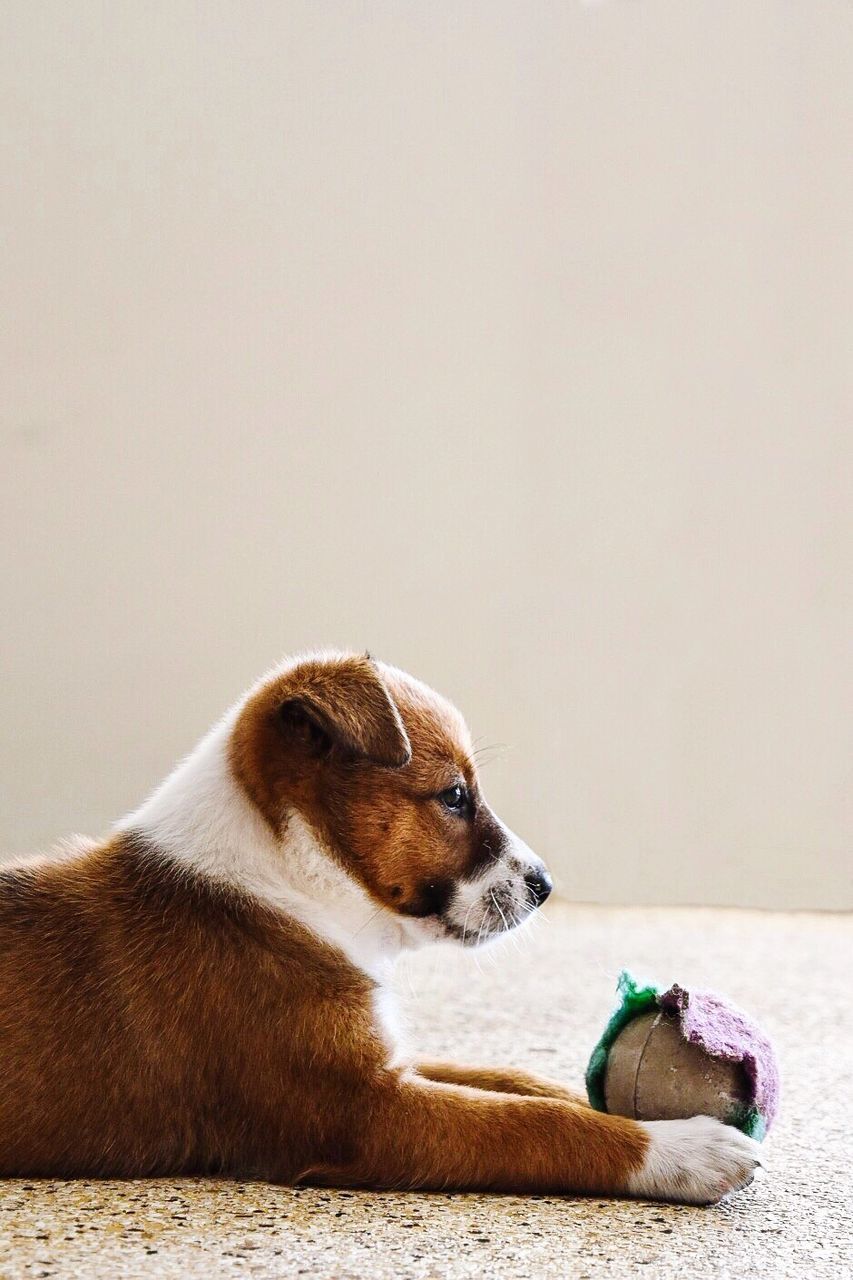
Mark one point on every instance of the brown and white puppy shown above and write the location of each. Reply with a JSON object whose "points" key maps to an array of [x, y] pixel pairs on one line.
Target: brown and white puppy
{"points": [[207, 990]]}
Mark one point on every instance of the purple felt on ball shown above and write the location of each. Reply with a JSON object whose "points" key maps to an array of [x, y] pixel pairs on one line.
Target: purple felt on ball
{"points": [[725, 1032]]}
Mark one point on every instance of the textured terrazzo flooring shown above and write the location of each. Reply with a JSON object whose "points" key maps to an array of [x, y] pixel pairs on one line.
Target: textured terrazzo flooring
{"points": [[537, 1001]]}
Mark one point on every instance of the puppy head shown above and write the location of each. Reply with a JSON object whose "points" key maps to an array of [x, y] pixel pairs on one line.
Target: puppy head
{"points": [[381, 768]]}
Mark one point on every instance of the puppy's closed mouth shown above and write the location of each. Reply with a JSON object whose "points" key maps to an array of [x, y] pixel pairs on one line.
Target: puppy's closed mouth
{"points": [[498, 908]]}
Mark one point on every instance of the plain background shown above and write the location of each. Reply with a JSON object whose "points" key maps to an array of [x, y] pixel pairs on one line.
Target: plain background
{"points": [[511, 341]]}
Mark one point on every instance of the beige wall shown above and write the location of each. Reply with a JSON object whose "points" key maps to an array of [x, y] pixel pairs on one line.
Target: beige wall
{"points": [[512, 341]]}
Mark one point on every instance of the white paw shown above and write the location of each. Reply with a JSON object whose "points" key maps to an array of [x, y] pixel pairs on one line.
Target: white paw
{"points": [[695, 1161]]}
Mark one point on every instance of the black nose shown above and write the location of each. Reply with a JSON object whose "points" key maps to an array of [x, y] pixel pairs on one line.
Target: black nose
{"points": [[539, 885]]}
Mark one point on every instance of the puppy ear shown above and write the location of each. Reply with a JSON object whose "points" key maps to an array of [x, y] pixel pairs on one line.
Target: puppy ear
{"points": [[343, 703]]}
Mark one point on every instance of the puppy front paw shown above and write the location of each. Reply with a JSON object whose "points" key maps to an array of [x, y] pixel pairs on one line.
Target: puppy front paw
{"points": [[696, 1161]]}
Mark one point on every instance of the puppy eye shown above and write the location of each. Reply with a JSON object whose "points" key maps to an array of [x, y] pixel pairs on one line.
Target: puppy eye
{"points": [[454, 798]]}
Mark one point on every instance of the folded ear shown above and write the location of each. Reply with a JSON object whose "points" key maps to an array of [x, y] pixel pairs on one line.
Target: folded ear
{"points": [[343, 702]]}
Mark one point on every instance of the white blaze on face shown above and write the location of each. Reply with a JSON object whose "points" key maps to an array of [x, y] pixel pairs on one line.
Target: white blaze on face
{"points": [[495, 899]]}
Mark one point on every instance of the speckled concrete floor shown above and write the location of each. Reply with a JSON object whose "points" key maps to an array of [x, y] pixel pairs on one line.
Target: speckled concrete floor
{"points": [[539, 1002]]}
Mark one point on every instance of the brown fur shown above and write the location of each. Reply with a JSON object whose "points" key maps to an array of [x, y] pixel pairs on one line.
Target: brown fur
{"points": [[381, 822], [154, 1023]]}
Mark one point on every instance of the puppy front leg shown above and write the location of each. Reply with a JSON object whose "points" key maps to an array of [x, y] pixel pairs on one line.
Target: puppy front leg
{"points": [[499, 1080], [416, 1133]]}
